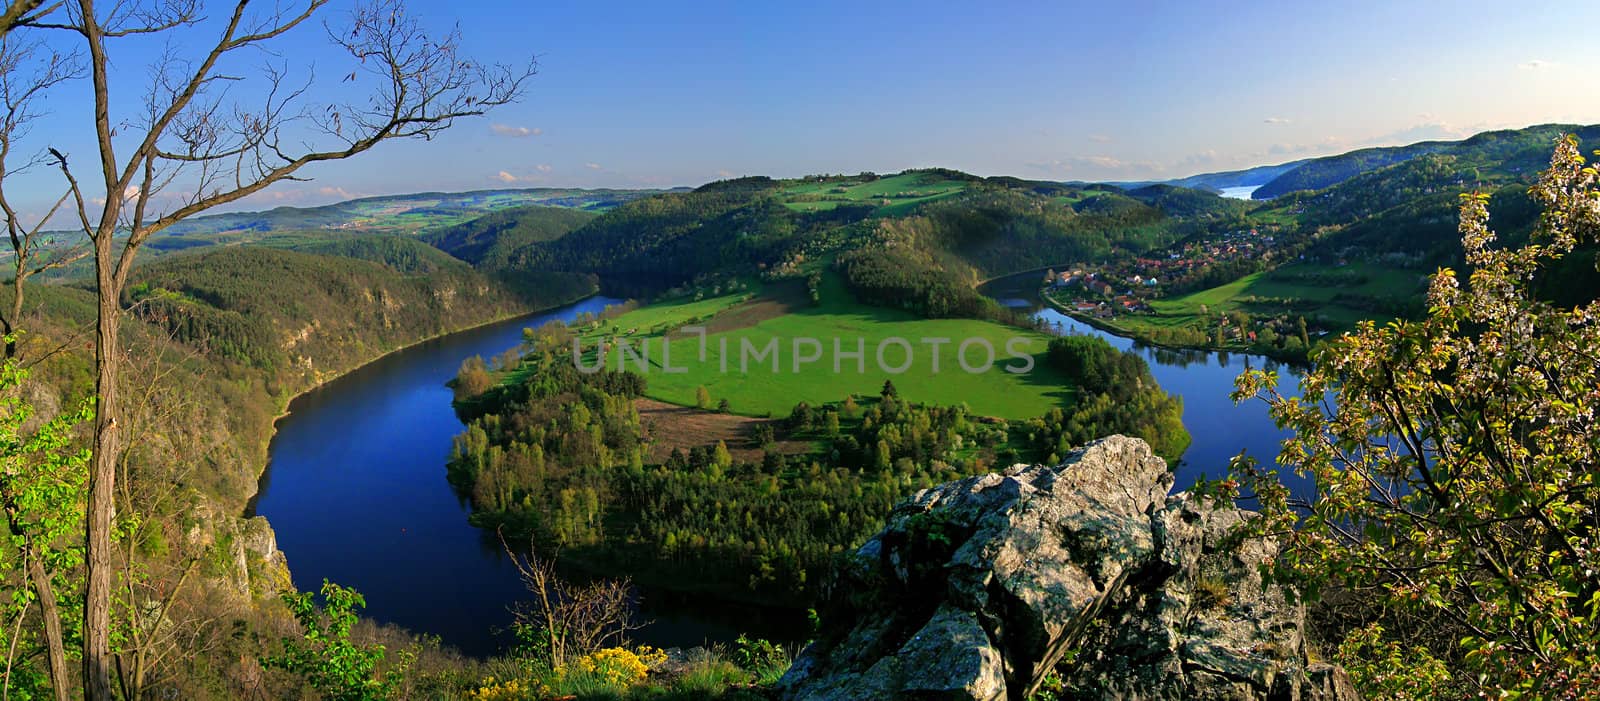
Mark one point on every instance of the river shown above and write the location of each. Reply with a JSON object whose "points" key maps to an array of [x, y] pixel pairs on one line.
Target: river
{"points": [[355, 489], [355, 485], [1219, 429]]}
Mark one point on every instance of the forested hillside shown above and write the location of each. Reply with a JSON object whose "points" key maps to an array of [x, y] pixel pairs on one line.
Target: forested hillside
{"points": [[924, 229], [300, 316], [404, 254], [1518, 152], [218, 343], [488, 241], [1404, 215]]}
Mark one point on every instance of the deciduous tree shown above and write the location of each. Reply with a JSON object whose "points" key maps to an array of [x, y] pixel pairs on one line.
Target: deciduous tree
{"points": [[197, 137], [1455, 458]]}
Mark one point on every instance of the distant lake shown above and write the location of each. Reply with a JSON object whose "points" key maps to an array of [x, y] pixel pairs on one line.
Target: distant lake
{"points": [[1240, 193], [355, 489]]}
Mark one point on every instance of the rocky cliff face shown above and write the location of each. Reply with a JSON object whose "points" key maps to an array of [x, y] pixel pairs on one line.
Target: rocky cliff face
{"points": [[980, 588]]}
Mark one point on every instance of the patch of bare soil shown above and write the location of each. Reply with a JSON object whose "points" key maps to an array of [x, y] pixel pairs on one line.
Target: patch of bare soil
{"points": [[670, 426], [780, 298]]}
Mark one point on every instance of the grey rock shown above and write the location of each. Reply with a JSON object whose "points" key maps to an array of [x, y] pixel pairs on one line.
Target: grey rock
{"points": [[978, 588]]}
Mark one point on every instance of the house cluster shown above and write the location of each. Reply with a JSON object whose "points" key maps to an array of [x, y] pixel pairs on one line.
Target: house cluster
{"points": [[1094, 293], [1089, 280], [1124, 286], [1234, 245]]}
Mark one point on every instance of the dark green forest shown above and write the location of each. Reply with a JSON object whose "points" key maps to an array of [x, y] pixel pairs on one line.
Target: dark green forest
{"points": [[488, 241]]}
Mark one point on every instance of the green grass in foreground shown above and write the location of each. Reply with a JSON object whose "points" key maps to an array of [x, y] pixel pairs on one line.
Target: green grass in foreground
{"points": [[760, 390]]}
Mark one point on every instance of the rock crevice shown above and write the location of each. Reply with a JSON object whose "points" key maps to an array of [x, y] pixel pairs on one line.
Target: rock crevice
{"points": [[978, 589]]}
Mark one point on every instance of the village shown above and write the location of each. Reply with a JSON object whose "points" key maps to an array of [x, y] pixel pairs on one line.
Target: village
{"points": [[1125, 287]]}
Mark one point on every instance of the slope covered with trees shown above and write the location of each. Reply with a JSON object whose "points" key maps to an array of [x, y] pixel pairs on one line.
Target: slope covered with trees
{"points": [[488, 241], [920, 236], [1518, 152], [268, 309], [406, 255], [218, 343]]}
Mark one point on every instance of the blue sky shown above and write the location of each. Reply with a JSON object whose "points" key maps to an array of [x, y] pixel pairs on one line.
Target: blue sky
{"points": [[659, 94]]}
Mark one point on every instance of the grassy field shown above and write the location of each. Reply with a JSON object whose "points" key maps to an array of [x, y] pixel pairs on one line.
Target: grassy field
{"points": [[902, 192], [760, 390], [1329, 296], [1289, 284]]}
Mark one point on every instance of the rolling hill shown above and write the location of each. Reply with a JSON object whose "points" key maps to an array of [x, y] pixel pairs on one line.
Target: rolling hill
{"points": [[489, 240]]}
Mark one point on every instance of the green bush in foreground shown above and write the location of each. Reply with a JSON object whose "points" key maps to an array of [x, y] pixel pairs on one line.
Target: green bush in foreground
{"points": [[326, 658]]}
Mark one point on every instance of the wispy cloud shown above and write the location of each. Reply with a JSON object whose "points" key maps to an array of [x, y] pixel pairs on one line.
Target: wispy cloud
{"points": [[1427, 130], [515, 132], [339, 192], [1278, 120], [1088, 167], [1536, 64], [505, 177], [1100, 138], [543, 167], [593, 166], [128, 193]]}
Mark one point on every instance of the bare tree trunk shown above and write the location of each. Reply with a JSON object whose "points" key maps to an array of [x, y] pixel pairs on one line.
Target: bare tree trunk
{"points": [[49, 612], [102, 480], [54, 642]]}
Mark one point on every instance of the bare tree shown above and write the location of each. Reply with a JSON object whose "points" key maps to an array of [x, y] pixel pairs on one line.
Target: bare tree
{"points": [[27, 72], [569, 619], [196, 145], [22, 12], [154, 625]]}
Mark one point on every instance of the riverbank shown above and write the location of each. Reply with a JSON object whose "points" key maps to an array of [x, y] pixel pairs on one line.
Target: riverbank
{"points": [[357, 494], [285, 405], [1107, 326]]}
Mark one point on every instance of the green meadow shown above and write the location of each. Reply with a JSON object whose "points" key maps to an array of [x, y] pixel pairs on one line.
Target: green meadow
{"points": [[903, 192], [773, 385], [1290, 290]]}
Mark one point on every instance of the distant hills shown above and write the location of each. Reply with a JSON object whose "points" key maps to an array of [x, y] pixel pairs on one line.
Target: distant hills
{"points": [[1216, 182], [400, 214], [1394, 205], [1509, 150]]}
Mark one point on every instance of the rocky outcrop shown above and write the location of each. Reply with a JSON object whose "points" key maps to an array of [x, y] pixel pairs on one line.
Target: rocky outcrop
{"points": [[978, 589], [244, 560]]}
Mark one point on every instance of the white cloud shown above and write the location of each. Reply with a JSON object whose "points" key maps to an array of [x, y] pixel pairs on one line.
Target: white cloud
{"points": [[1536, 64], [128, 194], [592, 166], [544, 168], [506, 177], [338, 192], [515, 132], [1100, 138], [1092, 167], [724, 173], [1277, 120], [1433, 130]]}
